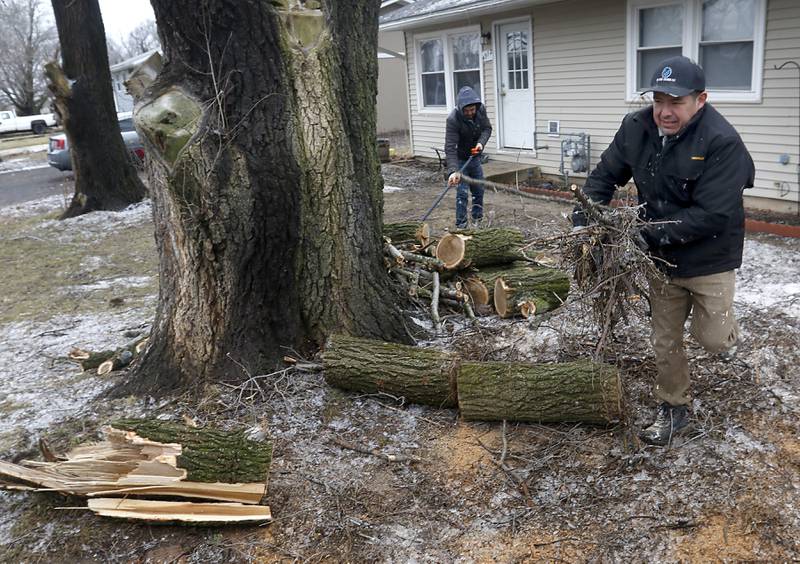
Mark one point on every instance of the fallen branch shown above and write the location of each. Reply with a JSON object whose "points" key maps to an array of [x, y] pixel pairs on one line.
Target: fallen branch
{"points": [[375, 452]]}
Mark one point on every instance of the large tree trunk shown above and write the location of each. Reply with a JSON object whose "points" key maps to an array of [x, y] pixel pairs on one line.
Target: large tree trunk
{"points": [[266, 185], [104, 176]]}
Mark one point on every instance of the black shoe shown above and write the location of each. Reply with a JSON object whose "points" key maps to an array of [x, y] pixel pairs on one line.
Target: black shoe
{"points": [[669, 420], [728, 355]]}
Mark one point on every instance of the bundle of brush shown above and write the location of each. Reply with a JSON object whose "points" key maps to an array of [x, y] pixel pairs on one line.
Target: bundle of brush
{"points": [[611, 268]]}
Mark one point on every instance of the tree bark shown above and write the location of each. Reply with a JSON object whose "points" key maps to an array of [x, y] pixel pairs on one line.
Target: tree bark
{"points": [[423, 376], [105, 179], [529, 291], [266, 185], [481, 247], [208, 455], [546, 393]]}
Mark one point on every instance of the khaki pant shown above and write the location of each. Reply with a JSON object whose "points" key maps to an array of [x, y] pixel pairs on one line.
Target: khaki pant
{"points": [[710, 301]]}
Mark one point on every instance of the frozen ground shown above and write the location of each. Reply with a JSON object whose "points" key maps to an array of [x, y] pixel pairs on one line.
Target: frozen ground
{"points": [[729, 490]]}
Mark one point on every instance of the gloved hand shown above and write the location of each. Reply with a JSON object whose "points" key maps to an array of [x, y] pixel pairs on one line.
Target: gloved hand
{"points": [[476, 150], [454, 179]]}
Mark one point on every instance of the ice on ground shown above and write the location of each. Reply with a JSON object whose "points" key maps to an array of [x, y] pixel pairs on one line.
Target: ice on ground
{"points": [[768, 277], [388, 189], [40, 386]]}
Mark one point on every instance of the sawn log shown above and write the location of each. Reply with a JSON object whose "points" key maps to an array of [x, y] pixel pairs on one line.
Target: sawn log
{"points": [[530, 290], [414, 232], [480, 247], [424, 376]]}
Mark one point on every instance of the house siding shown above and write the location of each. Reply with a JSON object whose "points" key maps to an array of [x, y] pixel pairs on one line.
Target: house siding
{"points": [[579, 77]]}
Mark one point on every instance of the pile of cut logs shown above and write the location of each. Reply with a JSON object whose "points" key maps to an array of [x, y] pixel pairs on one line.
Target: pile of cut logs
{"points": [[146, 459], [481, 270]]}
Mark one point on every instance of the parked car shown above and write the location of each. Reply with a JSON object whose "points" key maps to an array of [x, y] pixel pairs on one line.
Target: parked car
{"points": [[58, 154], [10, 122]]}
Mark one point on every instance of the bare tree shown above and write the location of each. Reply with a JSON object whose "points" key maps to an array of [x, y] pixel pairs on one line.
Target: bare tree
{"points": [[104, 177], [27, 39], [143, 38]]}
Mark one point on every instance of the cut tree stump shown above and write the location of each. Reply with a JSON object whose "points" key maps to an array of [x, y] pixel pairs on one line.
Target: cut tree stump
{"points": [[423, 376], [481, 247], [414, 232], [181, 511], [547, 393], [529, 290]]}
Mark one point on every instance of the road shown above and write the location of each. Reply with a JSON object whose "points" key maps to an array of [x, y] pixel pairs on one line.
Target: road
{"points": [[37, 181]]}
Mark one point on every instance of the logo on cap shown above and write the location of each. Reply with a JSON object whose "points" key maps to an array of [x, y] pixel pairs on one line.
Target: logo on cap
{"points": [[666, 73]]}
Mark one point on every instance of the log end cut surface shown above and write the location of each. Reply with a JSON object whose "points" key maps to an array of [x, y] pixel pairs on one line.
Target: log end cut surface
{"points": [[450, 250]]}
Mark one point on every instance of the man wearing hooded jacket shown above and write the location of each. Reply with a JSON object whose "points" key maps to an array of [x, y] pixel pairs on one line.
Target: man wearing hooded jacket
{"points": [[468, 130], [690, 168]]}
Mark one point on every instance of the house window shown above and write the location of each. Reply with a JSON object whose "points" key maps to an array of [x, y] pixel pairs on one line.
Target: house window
{"points": [[447, 62], [726, 37], [466, 62], [432, 72]]}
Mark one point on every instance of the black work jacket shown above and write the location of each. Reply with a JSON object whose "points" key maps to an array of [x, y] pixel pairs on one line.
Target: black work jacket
{"points": [[462, 134], [694, 179]]}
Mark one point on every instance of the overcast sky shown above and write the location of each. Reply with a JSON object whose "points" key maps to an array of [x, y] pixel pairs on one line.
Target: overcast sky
{"points": [[121, 16]]}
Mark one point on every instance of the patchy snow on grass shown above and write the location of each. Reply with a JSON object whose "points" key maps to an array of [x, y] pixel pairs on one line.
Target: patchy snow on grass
{"points": [[388, 189], [111, 283], [40, 386], [97, 224], [34, 207], [768, 278]]}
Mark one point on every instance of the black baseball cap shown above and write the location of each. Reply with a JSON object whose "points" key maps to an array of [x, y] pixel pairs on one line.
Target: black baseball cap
{"points": [[677, 76]]}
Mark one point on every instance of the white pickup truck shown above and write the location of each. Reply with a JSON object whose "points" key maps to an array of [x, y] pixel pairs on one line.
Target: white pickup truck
{"points": [[9, 122]]}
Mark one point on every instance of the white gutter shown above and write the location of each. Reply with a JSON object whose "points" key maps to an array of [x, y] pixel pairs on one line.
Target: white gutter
{"points": [[389, 53], [460, 12]]}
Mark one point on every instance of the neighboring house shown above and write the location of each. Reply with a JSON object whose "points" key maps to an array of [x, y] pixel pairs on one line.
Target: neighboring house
{"points": [[392, 109], [119, 74], [549, 70]]}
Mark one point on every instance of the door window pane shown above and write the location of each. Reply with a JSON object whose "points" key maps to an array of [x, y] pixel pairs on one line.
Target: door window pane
{"points": [[661, 26], [728, 20], [517, 60], [728, 66]]}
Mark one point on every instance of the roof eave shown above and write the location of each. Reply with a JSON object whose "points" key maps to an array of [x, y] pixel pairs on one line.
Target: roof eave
{"points": [[458, 13]]}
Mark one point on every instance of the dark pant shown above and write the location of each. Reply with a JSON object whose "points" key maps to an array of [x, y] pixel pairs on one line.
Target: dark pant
{"points": [[473, 170]]}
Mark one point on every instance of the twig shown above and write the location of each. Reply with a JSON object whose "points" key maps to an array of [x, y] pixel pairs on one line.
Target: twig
{"points": [[375, 452], [437, 322]]}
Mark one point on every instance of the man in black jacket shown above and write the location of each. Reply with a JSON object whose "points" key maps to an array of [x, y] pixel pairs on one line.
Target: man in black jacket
{"points": [[690, 168], [468, 130]]}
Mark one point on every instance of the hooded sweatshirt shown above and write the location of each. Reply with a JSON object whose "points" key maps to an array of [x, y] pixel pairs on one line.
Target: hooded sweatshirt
{"points": [[463, 134]]}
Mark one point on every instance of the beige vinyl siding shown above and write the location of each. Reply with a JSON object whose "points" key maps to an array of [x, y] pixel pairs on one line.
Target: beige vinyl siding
{"points": [[579, 79]]}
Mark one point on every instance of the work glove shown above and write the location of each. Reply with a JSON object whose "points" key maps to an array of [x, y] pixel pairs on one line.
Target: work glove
{"points": [[476, 150], [454, 179]]}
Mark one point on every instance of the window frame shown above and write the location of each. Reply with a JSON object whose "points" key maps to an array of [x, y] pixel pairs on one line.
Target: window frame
{"points": [[692, 34], [445, 36]]}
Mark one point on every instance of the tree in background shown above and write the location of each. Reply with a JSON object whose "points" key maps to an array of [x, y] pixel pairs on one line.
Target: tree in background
{"points": [[266, 186], [143, 38], [27, 40], [105, 179]]}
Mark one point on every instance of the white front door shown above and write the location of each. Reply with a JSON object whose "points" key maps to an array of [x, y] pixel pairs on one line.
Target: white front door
{"points": [[516, 86]]}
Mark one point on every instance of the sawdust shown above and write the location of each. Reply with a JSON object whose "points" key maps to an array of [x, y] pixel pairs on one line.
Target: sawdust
{"points": [[460, 451], [721, 538]]}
